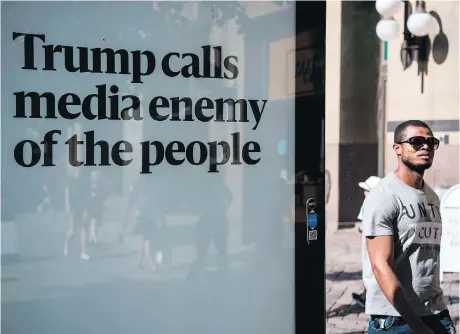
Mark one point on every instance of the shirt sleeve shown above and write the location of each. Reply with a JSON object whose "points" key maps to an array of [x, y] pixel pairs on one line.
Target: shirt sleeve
{"points": [[360, 214], [379, 214]]}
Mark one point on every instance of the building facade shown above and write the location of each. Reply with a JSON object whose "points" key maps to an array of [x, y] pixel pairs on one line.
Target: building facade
{"points": [[369, 91]]}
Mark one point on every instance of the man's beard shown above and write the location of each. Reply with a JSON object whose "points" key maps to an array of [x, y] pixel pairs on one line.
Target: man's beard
{"points": [[416, 168]]}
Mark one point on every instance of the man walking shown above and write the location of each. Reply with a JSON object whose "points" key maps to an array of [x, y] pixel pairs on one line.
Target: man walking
{"points": [[402, 234]]}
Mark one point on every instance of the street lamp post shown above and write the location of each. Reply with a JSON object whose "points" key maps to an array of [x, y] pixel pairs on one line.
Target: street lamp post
{"points": [[417, 25]]}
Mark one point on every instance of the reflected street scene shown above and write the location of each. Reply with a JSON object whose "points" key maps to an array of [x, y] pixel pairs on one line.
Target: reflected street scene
{"points": [[142, 186]]}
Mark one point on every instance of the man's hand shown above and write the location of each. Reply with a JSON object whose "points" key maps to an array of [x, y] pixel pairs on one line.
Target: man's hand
{"points": [[381, 255]]}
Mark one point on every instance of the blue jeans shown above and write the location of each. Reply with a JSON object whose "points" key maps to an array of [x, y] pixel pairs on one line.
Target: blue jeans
{"points": [[439, 325]]}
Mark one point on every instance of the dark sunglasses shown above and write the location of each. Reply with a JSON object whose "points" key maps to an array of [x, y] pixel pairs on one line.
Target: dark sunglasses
{"points": [[418, 142]]}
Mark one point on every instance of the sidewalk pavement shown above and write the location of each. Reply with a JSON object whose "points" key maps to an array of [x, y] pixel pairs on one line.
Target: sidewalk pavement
{"points": [[343, 276]]}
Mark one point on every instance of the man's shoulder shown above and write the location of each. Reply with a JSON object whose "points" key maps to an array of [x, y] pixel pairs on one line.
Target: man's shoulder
{"points": [[385, 188], [382, 197]]}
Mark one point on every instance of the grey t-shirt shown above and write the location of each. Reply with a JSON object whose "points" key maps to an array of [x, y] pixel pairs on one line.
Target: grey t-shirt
{"points": [[413, 218]]}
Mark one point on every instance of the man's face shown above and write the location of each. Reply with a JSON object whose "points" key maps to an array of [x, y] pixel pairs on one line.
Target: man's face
{"points": [[417, 155]]}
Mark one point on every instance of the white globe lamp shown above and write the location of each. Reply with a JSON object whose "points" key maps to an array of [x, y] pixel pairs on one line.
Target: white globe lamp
{"points": [[420, 24], [388, 8], [387, 29]]}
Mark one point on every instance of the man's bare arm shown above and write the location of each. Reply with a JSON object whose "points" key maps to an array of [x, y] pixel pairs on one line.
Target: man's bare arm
{"points": [[381, 256]]}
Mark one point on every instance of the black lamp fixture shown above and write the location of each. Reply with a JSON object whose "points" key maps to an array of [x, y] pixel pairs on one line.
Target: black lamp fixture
{"points": [[417, 25], [415, 47]]}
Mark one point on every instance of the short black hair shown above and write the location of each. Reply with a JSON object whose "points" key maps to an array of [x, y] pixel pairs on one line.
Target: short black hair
{"points": [[400, 130]]}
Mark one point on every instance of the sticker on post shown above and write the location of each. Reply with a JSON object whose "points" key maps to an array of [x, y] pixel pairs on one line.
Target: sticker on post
{"points": [[313, 235], [311, 204], [312, 220]]}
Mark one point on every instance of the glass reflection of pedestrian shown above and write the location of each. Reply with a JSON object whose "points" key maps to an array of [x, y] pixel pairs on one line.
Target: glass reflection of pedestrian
{"points": [[76, 193], [212, 225], [142, 197], [95, 207], [46, 203]]}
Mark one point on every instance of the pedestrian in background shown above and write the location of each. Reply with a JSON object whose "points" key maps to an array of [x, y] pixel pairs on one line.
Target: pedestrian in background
{"points": [[371, 182], [367, 185]]}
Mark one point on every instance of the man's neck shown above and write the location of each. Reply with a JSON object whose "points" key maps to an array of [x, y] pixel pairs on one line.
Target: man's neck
{"points": [[410, 177]]}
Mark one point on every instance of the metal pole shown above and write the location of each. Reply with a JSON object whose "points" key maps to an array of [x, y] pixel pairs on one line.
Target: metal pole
{"points": [[381, 127], [381, 120]]}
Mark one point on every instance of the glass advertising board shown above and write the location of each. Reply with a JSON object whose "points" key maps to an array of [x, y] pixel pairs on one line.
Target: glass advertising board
{"points": [[144, 186]]}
